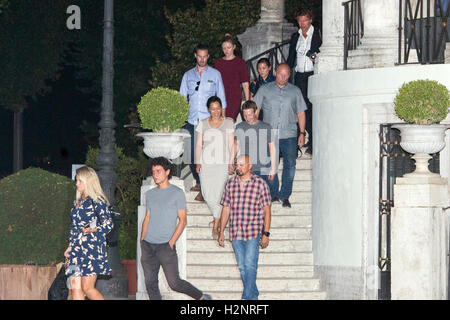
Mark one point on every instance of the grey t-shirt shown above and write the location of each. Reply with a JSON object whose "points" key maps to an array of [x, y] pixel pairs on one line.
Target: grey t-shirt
{"points": [[254, 141], [280, 107], [163, 205]]}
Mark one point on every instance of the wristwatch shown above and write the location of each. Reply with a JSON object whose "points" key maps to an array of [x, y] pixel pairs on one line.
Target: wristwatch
{"points": [[266, 233], [303, 133]]}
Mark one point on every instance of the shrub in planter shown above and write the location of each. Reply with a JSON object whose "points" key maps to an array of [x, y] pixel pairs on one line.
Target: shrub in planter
{"points": [[34, 217], [422, 102], [163, 110]]}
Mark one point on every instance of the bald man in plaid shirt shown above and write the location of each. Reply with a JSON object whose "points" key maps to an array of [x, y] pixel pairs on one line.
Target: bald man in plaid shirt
{"points": [[246, 204]]}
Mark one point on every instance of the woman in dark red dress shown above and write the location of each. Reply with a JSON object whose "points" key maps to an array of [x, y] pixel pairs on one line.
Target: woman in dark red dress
{"points": [[234, 73]]}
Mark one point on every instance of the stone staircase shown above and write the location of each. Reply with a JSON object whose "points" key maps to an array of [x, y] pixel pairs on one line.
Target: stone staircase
{"points": [[286, 268]]}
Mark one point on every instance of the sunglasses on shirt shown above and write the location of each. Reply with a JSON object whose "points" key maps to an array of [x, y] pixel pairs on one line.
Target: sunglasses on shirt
{"points": [[198, 84]]}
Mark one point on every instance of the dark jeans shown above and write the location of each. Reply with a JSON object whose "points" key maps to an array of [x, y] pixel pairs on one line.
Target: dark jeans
{"points": [[189, 127], [288, 147], [156, 255], [301, 81], [273, 186]]}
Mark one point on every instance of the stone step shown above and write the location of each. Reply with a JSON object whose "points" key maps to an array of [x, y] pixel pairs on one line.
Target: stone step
{"points": [[301, 163], [265, 258], [197, 207], [271, 295], [300, 175], [275, 233], [202, 220], [264, 284], [264, 271], [211, 245], [296, 197]]}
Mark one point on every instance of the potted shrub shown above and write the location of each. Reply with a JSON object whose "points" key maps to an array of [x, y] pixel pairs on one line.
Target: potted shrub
{"points": [[422, 104], [163, 111]]}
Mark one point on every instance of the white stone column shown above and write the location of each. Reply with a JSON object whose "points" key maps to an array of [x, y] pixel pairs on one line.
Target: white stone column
{"points": [[419, 239], [272, 28], [379, 46], [166, 292], [272, 11], [332, 50]]}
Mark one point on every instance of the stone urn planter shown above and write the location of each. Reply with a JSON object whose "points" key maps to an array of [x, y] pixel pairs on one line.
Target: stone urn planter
{"points": [[421, 141], [160, 144], [164, 112], [422, 104]]}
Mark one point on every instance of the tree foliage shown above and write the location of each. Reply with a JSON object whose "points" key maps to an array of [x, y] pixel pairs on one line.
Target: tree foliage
{"points": [[207, 26], [32, 41]]}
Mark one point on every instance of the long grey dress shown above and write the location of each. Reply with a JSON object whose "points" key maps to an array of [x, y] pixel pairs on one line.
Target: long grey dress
{"points": [[214, 160]]}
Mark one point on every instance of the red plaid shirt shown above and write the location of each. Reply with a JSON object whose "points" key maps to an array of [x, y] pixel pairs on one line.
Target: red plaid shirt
{"points": [[246, 206]]}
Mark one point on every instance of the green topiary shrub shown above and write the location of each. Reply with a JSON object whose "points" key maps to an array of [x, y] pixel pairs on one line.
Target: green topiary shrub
{"points": [[34, 217], [422, 102], [163, 110]]}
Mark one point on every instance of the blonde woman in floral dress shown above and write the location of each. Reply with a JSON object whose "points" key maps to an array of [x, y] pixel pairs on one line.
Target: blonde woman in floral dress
{"points": [[91, 221]]}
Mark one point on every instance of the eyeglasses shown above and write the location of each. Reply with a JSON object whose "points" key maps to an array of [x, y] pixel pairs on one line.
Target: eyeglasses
{"points": [[198, 84]]}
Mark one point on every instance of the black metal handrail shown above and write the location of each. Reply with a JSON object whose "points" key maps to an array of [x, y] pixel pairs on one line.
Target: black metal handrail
{"points": [[394, 162], [353, 27], [423, 30], [275, 56]]}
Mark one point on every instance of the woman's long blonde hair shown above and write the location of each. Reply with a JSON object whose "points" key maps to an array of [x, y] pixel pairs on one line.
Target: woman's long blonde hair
{"points": [[91, 182]]}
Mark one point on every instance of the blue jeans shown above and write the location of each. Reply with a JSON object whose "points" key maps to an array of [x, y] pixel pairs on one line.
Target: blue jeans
{"points": [[247, 253], [288, 148], [272, 185]]}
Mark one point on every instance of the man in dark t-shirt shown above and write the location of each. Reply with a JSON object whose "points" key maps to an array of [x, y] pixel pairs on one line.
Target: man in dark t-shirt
{"points": [[256, 139]]}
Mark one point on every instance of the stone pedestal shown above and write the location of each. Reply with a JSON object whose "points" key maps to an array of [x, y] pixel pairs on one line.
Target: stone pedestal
{"points": [[447, 53], [419, 239], [271, 29], [166, 292]]}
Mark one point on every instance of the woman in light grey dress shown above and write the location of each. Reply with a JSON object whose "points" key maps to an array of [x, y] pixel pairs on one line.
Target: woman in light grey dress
{"points": [[214, 155]]}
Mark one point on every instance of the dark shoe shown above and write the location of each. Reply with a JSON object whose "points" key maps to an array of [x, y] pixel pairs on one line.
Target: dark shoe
{"points": [[199, 197], [196, 187], [276, 199], [286, 203], [207, 297], [309, 151]]}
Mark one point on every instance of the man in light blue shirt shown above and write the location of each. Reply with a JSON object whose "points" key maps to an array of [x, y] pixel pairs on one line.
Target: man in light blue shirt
{"points": [[197, 85]]}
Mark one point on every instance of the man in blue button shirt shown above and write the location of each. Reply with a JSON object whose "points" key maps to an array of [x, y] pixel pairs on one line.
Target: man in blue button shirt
{"points": [[197, 85]]}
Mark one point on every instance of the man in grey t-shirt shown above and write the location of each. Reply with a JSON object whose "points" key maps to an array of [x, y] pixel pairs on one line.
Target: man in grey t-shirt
{"points": [[256, 139], [165, 205]]}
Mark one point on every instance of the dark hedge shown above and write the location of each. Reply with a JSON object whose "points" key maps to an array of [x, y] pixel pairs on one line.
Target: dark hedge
{"points": [[34, 217]]}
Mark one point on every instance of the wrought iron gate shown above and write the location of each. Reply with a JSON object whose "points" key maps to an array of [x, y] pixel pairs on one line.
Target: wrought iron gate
{"points": [[394, 162]]}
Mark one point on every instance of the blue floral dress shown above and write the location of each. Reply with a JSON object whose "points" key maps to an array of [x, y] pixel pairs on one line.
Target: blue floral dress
{"points": [[88, 255]]}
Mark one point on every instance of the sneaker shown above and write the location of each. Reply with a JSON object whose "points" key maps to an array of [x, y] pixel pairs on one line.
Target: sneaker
{"points": [[309, 151], [286, 203], [276, 199], [207, 297], [196, 187]]}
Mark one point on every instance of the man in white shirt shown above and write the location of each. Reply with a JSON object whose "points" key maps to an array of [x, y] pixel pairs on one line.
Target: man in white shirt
{"points": [[303, 49]]}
